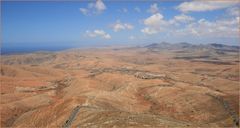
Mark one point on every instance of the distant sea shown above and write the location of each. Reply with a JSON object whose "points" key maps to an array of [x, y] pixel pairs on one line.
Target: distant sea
{"points": [[7, 50]]}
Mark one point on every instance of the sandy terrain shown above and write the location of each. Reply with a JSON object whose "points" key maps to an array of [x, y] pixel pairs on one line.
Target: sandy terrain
{"points": [[152, 86]]}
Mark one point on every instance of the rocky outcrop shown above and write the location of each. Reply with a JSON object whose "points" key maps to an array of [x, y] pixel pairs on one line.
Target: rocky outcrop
{"points": [[71, 118], [147, 75]]}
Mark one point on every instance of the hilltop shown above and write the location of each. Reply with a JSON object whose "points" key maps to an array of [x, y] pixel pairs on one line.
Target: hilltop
{"points": [[156, 85]]}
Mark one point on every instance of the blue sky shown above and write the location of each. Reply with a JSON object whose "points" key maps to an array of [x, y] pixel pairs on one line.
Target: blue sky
{"points": [[109, 23]]}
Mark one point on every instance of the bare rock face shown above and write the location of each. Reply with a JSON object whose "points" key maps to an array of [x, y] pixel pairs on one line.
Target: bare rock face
{"points": [[147, 75]]}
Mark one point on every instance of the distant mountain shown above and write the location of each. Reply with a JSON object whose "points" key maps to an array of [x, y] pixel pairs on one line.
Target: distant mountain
{"points": [[188, 46], [168, 46], [162, 45], [225, 47]]}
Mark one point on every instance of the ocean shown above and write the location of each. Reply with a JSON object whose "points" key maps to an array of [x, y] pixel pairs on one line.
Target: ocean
{"points": [[8, 50]]}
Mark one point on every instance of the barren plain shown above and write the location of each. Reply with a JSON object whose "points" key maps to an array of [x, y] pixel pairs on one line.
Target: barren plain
{"points": [[157, 85]]}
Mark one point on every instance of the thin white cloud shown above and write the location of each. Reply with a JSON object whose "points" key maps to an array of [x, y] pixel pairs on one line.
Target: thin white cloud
{"points": [[149, 31], [153, 8], [204, 28], [137, 9], [154, 20], [184, 25], [123, 10], [183, 18], [98, 33], [93, 8], [84, 11], [132, 37], [100, 6], [155, 24], [200, 6], [234, 11], [118, 26]]}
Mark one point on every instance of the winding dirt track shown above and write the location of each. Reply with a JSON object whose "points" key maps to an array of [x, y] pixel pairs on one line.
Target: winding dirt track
{"points": [[118, 88]]}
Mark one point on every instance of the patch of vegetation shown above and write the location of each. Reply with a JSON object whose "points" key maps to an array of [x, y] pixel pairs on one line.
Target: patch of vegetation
{"points": [[147, 97]]}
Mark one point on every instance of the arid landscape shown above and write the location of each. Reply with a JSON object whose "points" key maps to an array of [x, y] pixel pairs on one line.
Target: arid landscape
{"points": [[156, 85]]}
